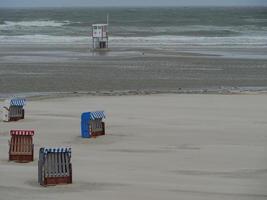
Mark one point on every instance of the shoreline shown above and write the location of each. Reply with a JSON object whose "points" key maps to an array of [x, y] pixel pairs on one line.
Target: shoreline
{"points": [[55, 95], [60, 70]]}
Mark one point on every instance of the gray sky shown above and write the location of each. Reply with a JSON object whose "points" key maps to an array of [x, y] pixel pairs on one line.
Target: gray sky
{"points": [[81, 3]]}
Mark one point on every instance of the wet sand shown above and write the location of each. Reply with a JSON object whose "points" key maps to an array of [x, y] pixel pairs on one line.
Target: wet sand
{"points": [[195, 147], [41, 68]]}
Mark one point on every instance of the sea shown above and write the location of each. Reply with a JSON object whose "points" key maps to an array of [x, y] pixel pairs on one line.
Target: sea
{"points": [[196, 26]]}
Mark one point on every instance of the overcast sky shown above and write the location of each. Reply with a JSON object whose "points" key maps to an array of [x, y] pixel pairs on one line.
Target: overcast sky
{"points": [[81, 3]]}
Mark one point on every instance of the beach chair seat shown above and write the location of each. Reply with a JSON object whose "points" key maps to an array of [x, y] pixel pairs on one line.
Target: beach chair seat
{"points": [[16, 113], [21, 147], [97, 128], [54, 166]]}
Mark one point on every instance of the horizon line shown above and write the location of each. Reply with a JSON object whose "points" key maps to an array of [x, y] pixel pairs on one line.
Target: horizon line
{"points": [[164, 6]]}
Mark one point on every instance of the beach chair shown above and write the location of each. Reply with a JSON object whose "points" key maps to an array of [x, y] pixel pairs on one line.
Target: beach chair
{"points": [[92, 124], [54, 166], [21, 148], [13, 109]]}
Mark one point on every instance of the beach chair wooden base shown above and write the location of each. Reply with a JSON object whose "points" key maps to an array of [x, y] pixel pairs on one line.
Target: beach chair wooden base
{"points": [[21, 158], [96, 134], [53, 181], [13, 119]]}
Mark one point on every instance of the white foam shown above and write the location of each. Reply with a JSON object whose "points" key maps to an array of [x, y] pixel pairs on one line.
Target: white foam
{"points": [[193, 41], [38, 23], [166, 40], [47, 39]]}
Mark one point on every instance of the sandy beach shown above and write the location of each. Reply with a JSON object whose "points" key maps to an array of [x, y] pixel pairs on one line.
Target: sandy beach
{"points": [[202, 147]]}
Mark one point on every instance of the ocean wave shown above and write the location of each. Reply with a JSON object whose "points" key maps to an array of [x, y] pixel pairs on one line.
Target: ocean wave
{"points": [[256, 20], [43, 39], [171, 40], [38, 23], [187, 30], [167, 40]]}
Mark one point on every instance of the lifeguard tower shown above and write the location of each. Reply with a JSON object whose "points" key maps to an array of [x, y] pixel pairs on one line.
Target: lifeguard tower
{"points": [[100, 36]]}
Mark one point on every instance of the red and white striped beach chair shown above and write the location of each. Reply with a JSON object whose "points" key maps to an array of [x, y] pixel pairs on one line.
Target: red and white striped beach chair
{"points": [[21, 148]]}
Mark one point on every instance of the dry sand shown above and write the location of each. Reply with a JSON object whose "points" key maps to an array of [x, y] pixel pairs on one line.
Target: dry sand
{"points": [[203, 147]]}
